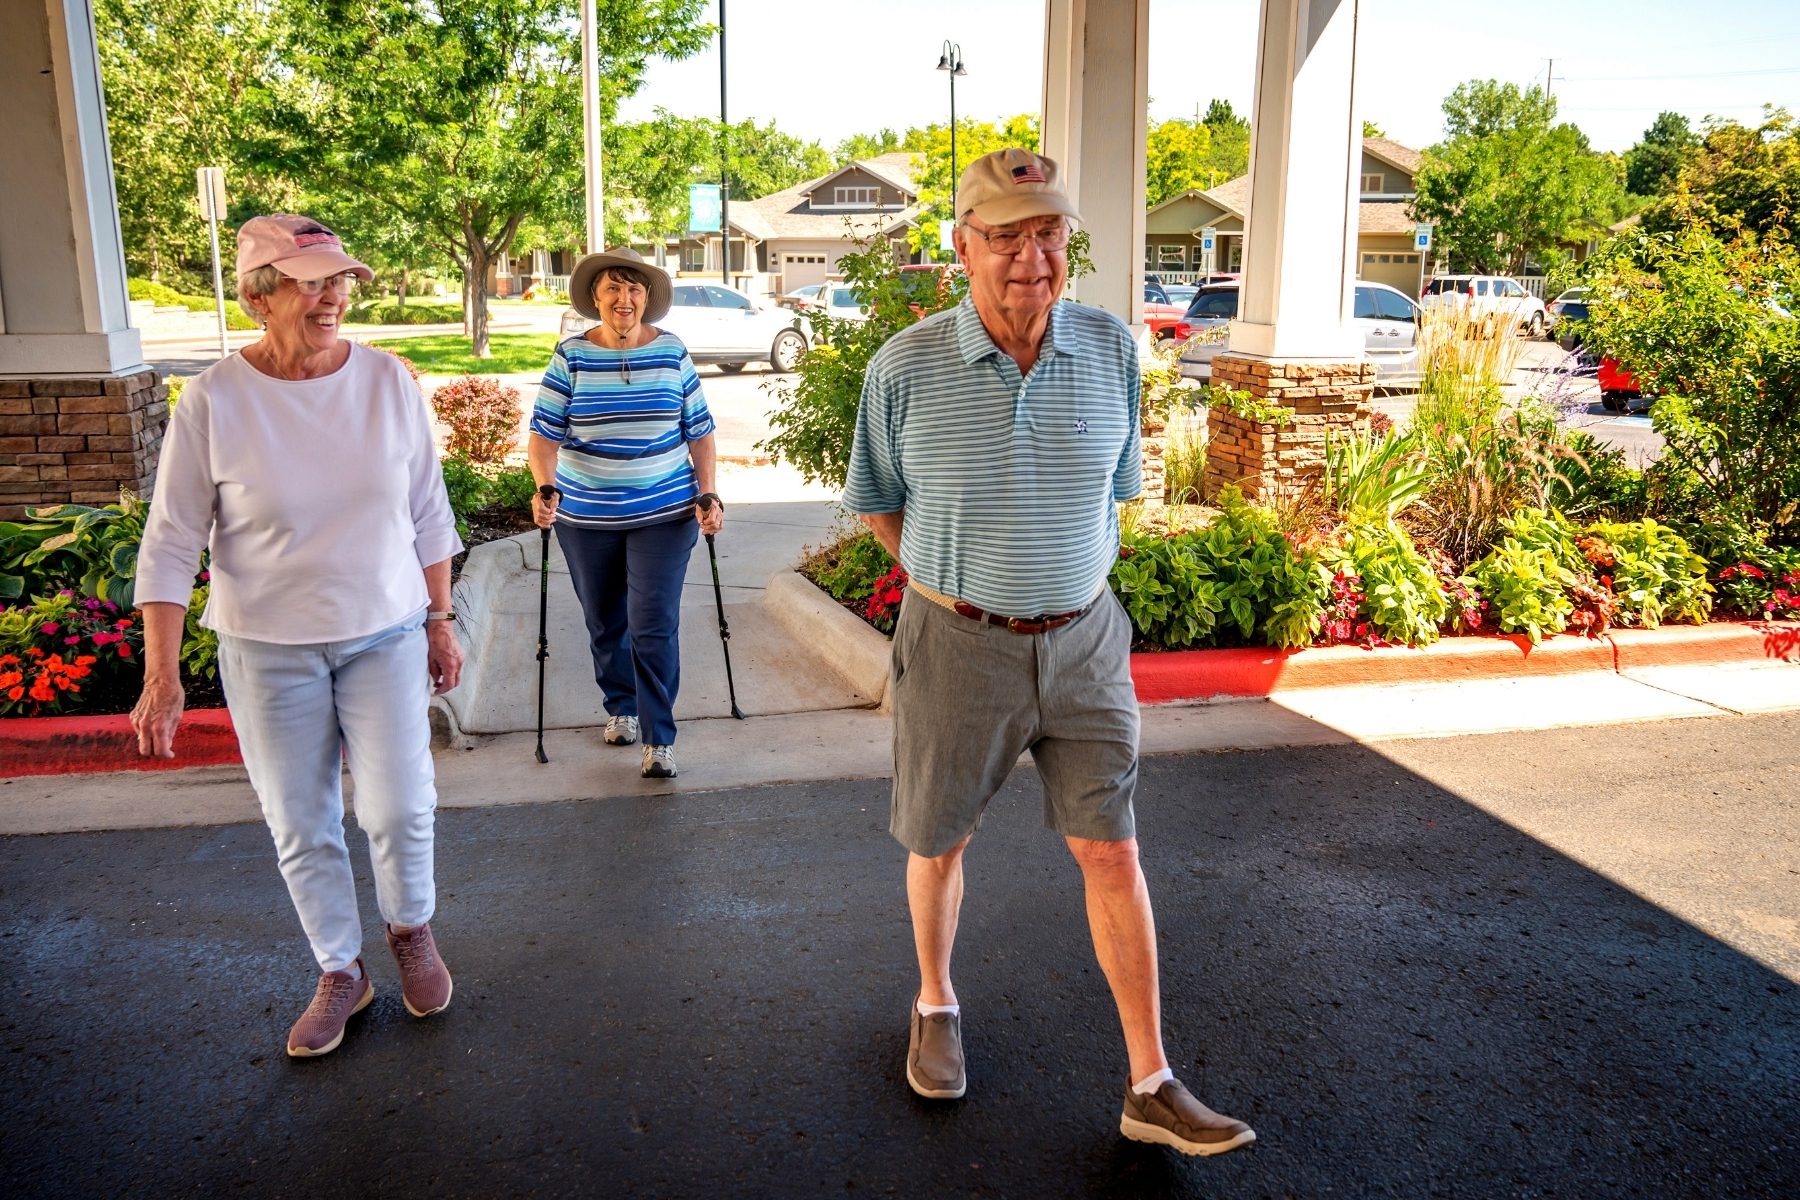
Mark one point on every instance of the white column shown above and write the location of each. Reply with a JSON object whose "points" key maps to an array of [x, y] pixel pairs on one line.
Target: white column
{"points": [[63, 302], [1096, 96], [1300, 240]]}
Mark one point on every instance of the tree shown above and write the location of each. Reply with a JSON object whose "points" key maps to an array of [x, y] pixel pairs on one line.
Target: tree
{"points": [[864, 145], [1371, 129], [175, 74], [1652, 166], [651, 163], [1509, 182], [931, 145], [1738, 178], [1176, 157], [461, 117], [1229, 155]]}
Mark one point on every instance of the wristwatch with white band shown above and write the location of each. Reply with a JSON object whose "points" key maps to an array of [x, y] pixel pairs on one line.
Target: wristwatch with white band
{"points": [[448, 614]]}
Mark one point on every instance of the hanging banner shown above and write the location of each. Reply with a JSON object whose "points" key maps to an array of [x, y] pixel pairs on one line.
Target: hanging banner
{"points": [[703, 208]]}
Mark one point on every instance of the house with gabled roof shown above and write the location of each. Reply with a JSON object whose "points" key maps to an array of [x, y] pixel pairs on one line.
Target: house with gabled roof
{"points": [[1384, 222], [797, 236]]}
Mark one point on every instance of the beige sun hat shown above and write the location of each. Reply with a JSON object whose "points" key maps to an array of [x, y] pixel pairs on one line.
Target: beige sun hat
{"points": [[581, 282], [1012, 184]]}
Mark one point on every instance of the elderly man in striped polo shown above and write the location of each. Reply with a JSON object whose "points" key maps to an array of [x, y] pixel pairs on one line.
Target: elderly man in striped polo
{"points": [[993, 442]]}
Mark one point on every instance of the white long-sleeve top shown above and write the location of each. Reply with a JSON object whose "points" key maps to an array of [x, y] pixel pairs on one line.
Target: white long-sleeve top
{"points": [[321, 500]]}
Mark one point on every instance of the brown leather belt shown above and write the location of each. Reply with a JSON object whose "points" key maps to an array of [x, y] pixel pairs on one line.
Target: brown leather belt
{"points": [[1022, 625]]}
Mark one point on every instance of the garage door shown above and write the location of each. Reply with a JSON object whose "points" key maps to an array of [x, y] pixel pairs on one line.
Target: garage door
{"points": [[799, 270], [1399, 271]]}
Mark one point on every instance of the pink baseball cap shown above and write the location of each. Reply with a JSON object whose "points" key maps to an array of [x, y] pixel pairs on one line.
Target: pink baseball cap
{"points": [[298, 247]]}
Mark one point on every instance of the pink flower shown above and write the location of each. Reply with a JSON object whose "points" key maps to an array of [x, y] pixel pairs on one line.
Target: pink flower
{"points": [[72, 641], [48, 628]]}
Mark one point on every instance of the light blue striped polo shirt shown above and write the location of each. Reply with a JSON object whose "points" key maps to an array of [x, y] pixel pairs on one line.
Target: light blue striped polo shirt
{"points": [[1008, 484], [622, 420]]}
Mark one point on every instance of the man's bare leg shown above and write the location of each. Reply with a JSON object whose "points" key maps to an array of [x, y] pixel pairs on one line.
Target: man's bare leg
{"points": [[1124, 930], [934, 892]]}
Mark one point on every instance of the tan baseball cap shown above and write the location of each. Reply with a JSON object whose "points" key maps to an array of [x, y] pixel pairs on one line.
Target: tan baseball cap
{"points": [[1010, 185]]}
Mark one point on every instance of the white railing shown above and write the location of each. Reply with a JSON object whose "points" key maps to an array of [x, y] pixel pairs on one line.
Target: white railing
{"points": [[1532, 283], [556, 283]]}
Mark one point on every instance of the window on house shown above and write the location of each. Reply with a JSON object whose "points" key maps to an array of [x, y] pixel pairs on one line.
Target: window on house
{"points": [[855, 195], [1171, 257], [1374, 183]]}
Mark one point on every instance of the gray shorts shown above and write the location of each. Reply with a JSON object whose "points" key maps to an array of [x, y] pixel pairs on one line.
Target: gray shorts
{"points": [[969, 698]]}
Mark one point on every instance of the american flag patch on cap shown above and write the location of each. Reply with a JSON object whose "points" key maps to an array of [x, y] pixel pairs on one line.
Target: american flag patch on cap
{"points": [[1028, 173]]}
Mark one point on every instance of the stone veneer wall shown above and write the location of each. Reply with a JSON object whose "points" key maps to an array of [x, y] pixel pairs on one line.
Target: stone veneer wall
{"points": [[68, 440], [1263, 458]]}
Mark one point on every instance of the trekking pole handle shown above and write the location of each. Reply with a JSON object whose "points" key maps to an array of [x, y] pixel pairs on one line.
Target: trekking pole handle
{"points": [[707, 499]]}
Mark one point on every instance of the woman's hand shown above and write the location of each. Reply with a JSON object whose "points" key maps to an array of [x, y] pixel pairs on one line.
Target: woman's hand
{"points": [[443, 656], [156, 714], [709, 510], [543, 507]]}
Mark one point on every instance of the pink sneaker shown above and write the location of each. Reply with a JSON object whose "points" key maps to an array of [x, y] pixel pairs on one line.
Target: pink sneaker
{"points": [[424, 980], [340, 996]]}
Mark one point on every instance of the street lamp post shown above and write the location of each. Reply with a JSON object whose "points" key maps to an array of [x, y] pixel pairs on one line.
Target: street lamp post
{"points": [[951, 60]]}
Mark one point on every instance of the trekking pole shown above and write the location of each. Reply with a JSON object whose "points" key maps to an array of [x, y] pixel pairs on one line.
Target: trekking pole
{"points": [[545, 492], [706, 503]]}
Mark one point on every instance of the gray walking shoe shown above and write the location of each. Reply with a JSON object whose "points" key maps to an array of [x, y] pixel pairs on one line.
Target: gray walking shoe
{"points": [[934, 1055], [1172, 1117], [621, 731], [659, 762]]}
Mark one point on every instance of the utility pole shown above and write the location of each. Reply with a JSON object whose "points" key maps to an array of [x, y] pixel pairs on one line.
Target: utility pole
{"points": [[724, 166], [590, 126]]}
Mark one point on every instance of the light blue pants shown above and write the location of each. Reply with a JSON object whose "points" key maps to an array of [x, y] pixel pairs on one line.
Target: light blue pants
{"points": [[299, 711]]}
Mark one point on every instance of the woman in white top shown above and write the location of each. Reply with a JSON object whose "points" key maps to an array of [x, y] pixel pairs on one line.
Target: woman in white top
{"points": [[305, 464]]}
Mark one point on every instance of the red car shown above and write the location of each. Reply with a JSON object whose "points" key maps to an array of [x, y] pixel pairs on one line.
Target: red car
{"points": [[1617, 386]]}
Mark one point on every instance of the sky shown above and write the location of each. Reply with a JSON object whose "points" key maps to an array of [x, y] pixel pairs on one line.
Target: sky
{"points": [[825, 69]]}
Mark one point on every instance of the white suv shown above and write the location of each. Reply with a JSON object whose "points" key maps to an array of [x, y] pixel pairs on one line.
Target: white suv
{"points": [[1488, 295], [722, 326]]}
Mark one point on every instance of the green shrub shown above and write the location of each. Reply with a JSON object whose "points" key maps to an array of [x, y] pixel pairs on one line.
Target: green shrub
{"points": [[1526, 588], [468, 488], [1653, 575], [167, 297], [373, 313], [177, 384], [511, 489], [1402, 598], [1234, 581], [199, 645], [1599, 481], [848, 568], [814, 421], [1369, 478], [1700, 323], [85, 550]]}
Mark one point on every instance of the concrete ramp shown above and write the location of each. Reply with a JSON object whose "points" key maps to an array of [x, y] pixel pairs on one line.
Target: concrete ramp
{"points": [[774, 668]]}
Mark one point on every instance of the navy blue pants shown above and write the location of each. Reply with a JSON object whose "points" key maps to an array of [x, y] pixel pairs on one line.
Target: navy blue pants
{"points": [[629, 585]]}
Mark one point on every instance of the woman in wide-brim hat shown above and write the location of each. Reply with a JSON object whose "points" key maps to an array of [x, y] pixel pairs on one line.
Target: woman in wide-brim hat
{"points": [[622, 432], [305, 463]]}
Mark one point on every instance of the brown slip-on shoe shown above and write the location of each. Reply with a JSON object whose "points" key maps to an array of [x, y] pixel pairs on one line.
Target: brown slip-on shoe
{"points": [[934, 1055], [340, 995], [1172, 1117], [424, 979]]}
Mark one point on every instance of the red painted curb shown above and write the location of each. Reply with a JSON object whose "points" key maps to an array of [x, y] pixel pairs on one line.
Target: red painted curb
{"points": [[1200, 674], [79, 745]]}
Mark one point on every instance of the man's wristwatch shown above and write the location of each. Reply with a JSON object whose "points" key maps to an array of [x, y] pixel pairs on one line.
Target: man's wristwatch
{"points": [[448, 614]]}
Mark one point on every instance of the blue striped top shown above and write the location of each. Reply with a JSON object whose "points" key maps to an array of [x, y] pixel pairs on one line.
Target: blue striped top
{"points": [[1008, 484], [622, 420]]}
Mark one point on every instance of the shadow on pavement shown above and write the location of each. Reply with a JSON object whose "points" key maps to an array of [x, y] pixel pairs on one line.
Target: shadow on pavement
{"points": [[707, 997]]}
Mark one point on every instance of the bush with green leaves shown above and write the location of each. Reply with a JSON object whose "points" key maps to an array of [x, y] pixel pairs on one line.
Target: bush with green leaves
{"points": [[199, 645], [1706, 326], [1655, 578], [1402, 597], [468, 489], [1371, 478], [167, 297], [511, 488], [1527, 590], [814, 422], [373, 313], [1234, 581], [849, 567], [86, 550]]}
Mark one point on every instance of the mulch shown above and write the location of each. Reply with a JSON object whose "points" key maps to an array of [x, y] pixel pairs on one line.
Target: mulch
{"points": [[489, 525]]}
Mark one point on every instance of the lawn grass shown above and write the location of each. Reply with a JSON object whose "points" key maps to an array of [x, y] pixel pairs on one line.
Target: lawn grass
{"points": [[448, 353]]}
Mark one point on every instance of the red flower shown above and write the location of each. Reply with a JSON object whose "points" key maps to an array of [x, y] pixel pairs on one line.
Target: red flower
{"points": [[1752, 570], [17, 693], [49, 628], [125, 650]]}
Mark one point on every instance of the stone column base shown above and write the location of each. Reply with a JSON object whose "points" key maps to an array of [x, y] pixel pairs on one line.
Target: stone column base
{"points": [[1264, 458], [78, 440]]}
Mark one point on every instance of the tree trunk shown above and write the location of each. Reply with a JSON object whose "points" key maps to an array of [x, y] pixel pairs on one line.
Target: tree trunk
{"points": [[403, 270], [468, 306], [475, 314]]}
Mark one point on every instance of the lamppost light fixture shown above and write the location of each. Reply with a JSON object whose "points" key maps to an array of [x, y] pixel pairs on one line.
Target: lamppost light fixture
{"points": [[951, 60]]}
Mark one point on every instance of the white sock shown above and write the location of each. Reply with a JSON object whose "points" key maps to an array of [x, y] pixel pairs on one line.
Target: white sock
{"points": [[927, 1010], [1147, 1087]]}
